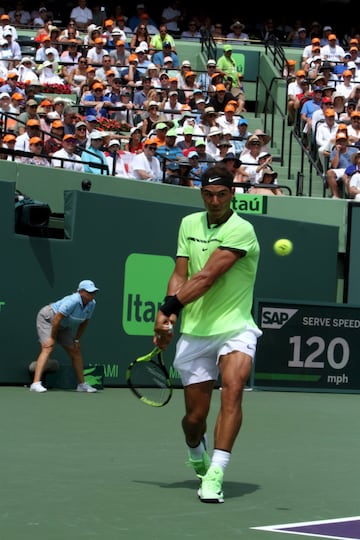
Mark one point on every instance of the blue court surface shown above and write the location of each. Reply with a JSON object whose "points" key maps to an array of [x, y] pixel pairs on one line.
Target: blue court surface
{"points": [[105, 466]]}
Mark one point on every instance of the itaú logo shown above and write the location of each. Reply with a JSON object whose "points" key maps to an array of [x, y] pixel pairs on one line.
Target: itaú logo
{"points": [[276, 317], [145, 282]]}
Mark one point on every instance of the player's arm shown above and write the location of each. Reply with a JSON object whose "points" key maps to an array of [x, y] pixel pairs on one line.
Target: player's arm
{"points": [[218, 264]]}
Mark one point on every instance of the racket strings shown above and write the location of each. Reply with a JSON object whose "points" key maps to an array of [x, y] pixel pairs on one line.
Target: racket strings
{"points": [[150, 382]]}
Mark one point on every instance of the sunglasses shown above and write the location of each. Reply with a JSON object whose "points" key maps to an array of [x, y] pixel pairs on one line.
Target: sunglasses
{"points": [[152, 148]]}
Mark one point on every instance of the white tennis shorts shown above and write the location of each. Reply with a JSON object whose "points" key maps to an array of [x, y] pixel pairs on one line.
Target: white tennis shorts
{"points": [[197, 358]]}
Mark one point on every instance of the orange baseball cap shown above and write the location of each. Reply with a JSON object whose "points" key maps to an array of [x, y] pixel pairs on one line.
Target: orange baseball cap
{"points": [[46, 103], [133, 58], [347, 73], [68, 137], [220, 88], [90, 68], [12, 74], [108, 22], [329, 112], [120, 42], [17, 96], [9, 138], [35, 140], [340, 136], [97, 86], [152, 140], [5, 17], [315, 40], [332, 37], [56, 124], [99, 40], [33, 122], [300, 73], [229, 108]]}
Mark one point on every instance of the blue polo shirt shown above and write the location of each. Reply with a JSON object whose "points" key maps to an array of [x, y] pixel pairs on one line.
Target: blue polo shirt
{"points": [[74, 311]]}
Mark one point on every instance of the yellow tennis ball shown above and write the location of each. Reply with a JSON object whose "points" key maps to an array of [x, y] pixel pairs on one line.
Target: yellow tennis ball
{"points": [[283, 246]]}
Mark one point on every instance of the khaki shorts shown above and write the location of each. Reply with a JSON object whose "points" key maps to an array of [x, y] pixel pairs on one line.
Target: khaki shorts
{"points": [[197, 358], [44, 322]]}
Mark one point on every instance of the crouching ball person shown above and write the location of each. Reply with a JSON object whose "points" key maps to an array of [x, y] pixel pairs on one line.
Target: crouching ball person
{"points": [[64, 322], [212, 286]]}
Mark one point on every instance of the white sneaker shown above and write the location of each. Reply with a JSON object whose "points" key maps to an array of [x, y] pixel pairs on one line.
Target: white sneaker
{"points": [[37, 387], [85, 387]]}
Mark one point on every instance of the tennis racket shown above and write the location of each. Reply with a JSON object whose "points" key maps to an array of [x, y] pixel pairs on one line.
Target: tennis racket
{"points": [[148, 378]]}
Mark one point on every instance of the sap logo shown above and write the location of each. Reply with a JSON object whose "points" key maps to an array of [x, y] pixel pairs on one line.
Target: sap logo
{"points": [[276, 317]]}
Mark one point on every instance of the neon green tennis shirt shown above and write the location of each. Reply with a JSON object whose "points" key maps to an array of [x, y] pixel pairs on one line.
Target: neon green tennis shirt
{"points": [[227, 305]]}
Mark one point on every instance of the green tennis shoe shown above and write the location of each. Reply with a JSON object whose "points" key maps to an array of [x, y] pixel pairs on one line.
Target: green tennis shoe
{"points": [[200, 466], [210, 490]]}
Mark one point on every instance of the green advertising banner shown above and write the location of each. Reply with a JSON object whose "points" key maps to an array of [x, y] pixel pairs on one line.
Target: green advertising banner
{"points": [[307, 347]]}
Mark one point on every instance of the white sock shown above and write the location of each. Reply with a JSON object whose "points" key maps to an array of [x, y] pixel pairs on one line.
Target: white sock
{"points": [[197, 452], [221, 459]]}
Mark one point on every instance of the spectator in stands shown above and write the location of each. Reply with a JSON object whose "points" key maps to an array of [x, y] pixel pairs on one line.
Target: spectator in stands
{"points": [[120, 55], [192, 33], [151, 118], [150, 25], [221, 98], [96, 54], [37, 158], [171, 16], [29, 114], [294, 89], [332, 52], [32, 129], [143, 61], [354, 127], [66, 158], [141, 35], [307, 111], [325, 132], [135, 19], [8, 141], [157, 41], [69, 119], [268, 177], [340, 159], [101, 72], [302, 39], [145, 165], [14, 48], [19, 15], [228, 120], [204, 79], [5, 24], [96, 103], [81, 135], [82, 15], [93, 157], [352, 176], [71, 32], [159, 56], [237, 36], [53, 143], [114, 156], [212, 141], [169, 155], [250, 157], [130, 75], [77, 76], [309, 51], [70, 58], [217, 33], [134, 145]]}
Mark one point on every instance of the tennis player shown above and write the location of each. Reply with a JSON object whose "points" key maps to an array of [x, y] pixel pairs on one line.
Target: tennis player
{"points": [[64, 322], [212, 285]]}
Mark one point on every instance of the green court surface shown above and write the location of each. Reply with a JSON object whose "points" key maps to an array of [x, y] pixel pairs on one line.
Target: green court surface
{"points": [[105, 466]]}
